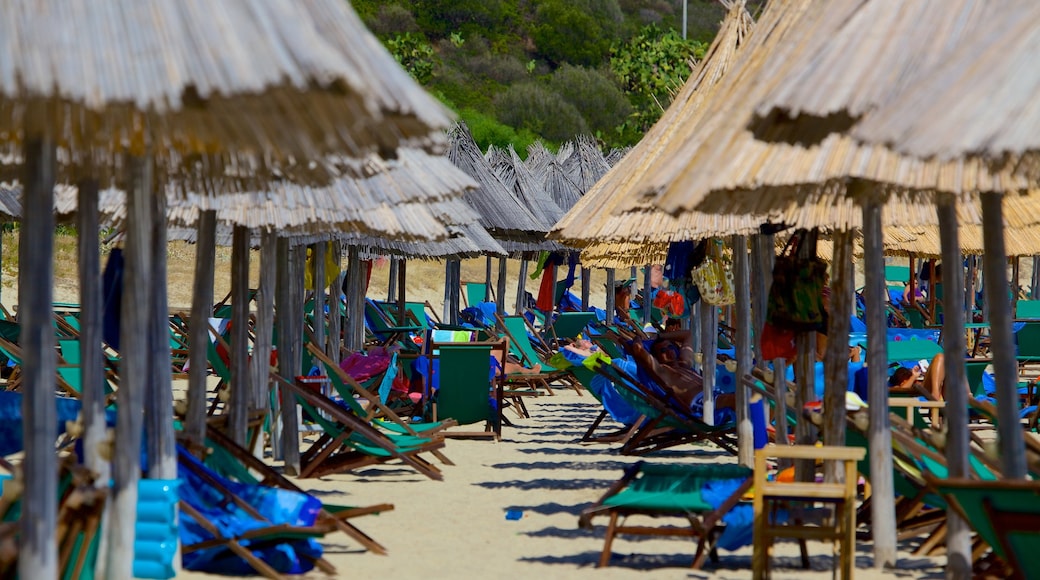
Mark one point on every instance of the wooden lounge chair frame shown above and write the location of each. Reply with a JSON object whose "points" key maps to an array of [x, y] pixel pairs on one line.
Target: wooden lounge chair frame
{"points": [[702, 524]]}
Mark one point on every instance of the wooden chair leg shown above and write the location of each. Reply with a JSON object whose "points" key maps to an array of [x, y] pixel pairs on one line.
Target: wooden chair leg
{"points": [[604, 558]]}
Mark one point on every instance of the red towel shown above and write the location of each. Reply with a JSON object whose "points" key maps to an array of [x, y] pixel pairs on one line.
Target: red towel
{"points": [[547, 289]]}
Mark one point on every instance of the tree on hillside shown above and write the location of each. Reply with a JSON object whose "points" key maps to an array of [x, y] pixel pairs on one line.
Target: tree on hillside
{"points": [[576, 31]]}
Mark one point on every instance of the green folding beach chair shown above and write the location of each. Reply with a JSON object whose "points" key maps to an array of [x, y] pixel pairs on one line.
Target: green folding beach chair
{"points": [[569, 325], [668, 491], [1005, 513]]}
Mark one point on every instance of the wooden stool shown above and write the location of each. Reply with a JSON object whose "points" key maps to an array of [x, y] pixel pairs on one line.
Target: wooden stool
{"points": [[841, 495]]}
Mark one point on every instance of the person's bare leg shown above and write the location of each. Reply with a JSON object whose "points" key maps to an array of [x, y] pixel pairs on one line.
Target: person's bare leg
{"points": [[935, 378]]}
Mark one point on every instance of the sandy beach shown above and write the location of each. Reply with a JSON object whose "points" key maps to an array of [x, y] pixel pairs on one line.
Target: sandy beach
{"points": [[457, 528]]}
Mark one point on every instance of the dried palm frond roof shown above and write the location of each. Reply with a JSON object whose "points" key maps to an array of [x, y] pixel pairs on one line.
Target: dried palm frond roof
{"points": [[586, 164], [851, 54], [514, 174], [739, 173], [538, 158], [981, 100], [501, 213], [277, 79], [594, 217], [615, 155], [559, 186], [622, 254], [925, 242]]}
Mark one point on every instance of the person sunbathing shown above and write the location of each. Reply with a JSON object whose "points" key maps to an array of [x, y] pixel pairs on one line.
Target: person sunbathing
{"points": [[670, 362], [933, 384], [512, 366]]}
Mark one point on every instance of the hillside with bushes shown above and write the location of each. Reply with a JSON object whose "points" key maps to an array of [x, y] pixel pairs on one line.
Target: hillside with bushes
{"points": [[521, 70]]}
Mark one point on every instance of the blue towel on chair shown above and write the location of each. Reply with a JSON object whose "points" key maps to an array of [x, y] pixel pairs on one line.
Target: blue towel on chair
{"points": [[278, 506]]}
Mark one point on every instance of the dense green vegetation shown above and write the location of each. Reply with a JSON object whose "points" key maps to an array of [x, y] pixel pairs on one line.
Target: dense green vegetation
{"points": [[521, 70]]}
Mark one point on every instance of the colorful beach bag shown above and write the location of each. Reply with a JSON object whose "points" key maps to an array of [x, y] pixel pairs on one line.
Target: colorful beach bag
{"points": [[714, 281], [796, 296]]}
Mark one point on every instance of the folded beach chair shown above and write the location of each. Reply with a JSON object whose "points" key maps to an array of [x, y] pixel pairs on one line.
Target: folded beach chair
{"points": [[236, 528], [236, 463], [703, 495], [1006, 514]]}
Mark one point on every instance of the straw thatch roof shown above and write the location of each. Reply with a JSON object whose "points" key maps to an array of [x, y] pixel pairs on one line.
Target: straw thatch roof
{"points": [[623, 254], [981, 100], [717, 165], [503, 215], [850, 55], [281, 79], [464, 241], [516, 176], [594, 219], [585, 163]]}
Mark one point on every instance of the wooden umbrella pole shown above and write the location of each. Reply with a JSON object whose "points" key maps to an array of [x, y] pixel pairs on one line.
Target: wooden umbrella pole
{"points": [[238, 403], [487, 280], [609, 304], [913, 283], [880, 431], [92, 354], [336, 304], [318, 276], [1034, 286], [742, 333], [162, 445], [201, 310], [265, 299], [521, 291], [456, 290], [287, 314], [932, 298], [402, 286], [958, 534], [446, 308], [805, 375], [1002, 339], [391, 284], [762, 251], [648, 301], [38, 553], [354, 335], [709, 343], [500, 292], [133, 344], [836, 359], [1016, 265], [586, 282]]}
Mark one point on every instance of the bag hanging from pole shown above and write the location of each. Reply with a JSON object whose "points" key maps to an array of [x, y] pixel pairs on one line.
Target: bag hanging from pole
{"points": [[796, 297]]}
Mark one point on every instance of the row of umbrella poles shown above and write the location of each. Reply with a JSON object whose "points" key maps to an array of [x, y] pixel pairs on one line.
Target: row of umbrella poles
{"points": [[805, 119], [209, 115]]}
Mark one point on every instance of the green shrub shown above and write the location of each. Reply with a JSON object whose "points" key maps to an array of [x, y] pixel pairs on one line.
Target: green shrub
{"points": [[487, 131], [392, 19], [599, 98], [576, 31], [542, 111], [414, 54]]}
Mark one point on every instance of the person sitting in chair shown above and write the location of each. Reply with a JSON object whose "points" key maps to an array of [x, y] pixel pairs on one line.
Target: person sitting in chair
{"points": [[670, 362]]}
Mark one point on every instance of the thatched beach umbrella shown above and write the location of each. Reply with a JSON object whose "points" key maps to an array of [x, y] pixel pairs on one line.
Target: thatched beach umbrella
{"points": [[744, 174], [279, 80], [609, 239]]}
